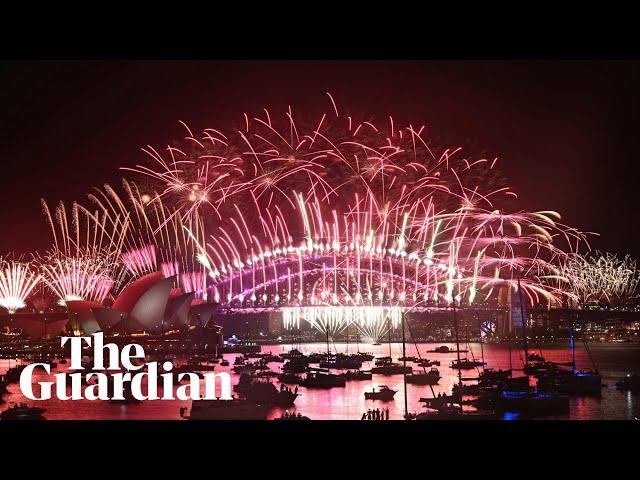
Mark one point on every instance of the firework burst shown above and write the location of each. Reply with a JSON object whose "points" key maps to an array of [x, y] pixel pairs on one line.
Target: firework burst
{"points": [[602, 277], [17, 280], [341, 213]]}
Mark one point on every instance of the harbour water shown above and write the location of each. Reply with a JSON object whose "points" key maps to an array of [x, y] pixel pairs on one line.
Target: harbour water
{"points": [[348, 403]]}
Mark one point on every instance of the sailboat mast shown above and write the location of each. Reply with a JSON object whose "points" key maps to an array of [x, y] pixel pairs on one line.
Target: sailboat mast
{"points": [[328, 347], [404, 364], [389, 321], [347, 338], [455, 327], [573, 346], [524, 325]]}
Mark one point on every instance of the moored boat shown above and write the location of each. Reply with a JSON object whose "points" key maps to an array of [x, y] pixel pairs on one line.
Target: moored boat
{"points": [[432, 377], [384, 394], [22, 411], [234, 409]]}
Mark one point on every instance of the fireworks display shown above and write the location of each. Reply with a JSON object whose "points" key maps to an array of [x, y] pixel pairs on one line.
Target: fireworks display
{"points": [[602, 277], [77, 278], [339, 212], [17, 280], [335, 222]]}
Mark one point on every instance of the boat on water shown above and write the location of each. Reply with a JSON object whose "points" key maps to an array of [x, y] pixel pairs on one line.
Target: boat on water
{"points": [[357, 375], [432, 377], [466, 364], [385, 366], [290, 378], [244, 383], [629, 382], [535, 357], [292, 416], [428, 363], [391, 369], [342, 362], [318, 379], [266, 393], [539, 368], [384, 394], [532, 402], [445, 349], [295, 367], [366, 357], [273, 359], [198, 367], [454, 413], [574, 382], [22, 411], [293, 353], [490, 376], [235, 409], [408, 359], [465, 389]]}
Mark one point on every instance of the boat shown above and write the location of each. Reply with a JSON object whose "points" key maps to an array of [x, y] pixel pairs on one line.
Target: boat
{"points": [[391, 369], [292, 416], [445, 349], [539, 368], [358, 375], [385, 366], [290, 378], [532, 402], [318, 379], [244, 383], [342, 362], [574, 382], [383, 361], [198, 367], [366, 357], [490, 376], [451, 412], [630, 382], [464, 389], [432, 377], [234, 409], [428, 363], [273, 358], [293, 353], [266, 393], [466, 364], [22, 411], [534, 357], [408, 359], [295, 367], [384, 394], [246, 368]]}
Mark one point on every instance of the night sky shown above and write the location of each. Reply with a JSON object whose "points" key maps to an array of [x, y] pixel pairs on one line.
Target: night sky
{"points": [[565, 131]]}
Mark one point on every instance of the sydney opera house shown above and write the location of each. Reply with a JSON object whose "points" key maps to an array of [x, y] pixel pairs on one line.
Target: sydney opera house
{"points": [[150, 305]]}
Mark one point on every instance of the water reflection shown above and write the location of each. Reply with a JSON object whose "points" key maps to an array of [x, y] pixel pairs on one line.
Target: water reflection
{"points": [[348, 403]]}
